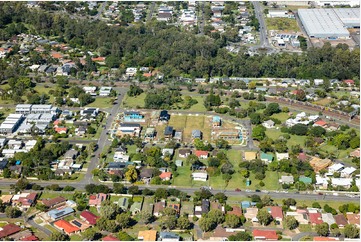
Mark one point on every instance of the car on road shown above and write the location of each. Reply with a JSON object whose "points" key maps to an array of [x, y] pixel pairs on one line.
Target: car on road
{"points": [[320, 193], [237, 190], [257, 190]]}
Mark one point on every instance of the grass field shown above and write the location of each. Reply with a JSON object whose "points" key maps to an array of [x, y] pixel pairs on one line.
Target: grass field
{"points": [[51, 228], [75, 237], [294, 140], [184, 178], [284, 24], [281, 116], [133, 102], [323, 102], [103, 102], [45, 195], [199, 107]]}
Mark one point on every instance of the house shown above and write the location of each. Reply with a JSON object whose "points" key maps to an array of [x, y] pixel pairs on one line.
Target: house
{"points": [[97, 199], [174, 206], [217, 206], [222, 234], [353, 219], [6, 199], [299, 216], [227, 134], [250, 155], [130, 71], [251, 214], [168, 236], [166, 176], [320, 123], [342, 182], [3, 164], [286, 180], [200, 176], [332, 127], [61, 130], [315, 218], [66, 227], [340, 220], [30, 238], [146, 174], [204, 208], [184, 153], [268, 158], [123, 203], [347, 172], [24, 200], [8, 230], [318, 82], [306, 180], [319, 164], [276, 213], [179, 163], [71, 154], [131, 129], [105, 91], [54, 202], [167, 151], [196, 134], [216, 121], [158, 208], [119, 157], [349, 83], [355, 153], [318, 238], [89, 217], [178, 135], [110, 238], [136, 208], [164, 116], [150, 133], [269, 124], [90, 90], [89, 112], [302, 157], [80, 131], [201, 154], [264, 234], [335, 168], [282, 156], [56, 214], [236, 210], [168, 132], [147, 235], [328, 218]]}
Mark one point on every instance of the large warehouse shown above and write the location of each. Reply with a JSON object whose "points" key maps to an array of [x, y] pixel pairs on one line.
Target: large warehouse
{"points": [[329, 23]]}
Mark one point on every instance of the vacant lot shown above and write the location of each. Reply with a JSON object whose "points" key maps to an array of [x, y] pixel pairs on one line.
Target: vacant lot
{"points": [[134, 102], [284, 24], [101, 102]]}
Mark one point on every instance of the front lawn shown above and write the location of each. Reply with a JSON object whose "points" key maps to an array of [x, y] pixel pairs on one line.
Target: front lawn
{"points": [[184, 178], [199, 107], [75, 237], [281, 116]]}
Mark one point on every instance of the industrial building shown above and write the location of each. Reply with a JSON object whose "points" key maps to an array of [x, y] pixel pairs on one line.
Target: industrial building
{"points": [[40, 108], [328, 3], [326, 23], [350, 17], [11, 123]]}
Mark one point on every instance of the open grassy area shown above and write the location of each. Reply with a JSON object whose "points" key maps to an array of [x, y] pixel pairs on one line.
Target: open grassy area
{"points": [[198, 122], [5, 112], [199, 107], [184, 178], [133, 102], [294, 140], [94, 210], [323, 101], [131, 149], [281, 116], [75, 237], [51, 228], [284, 24], [50, 195], [2, 224], [101, 102]]}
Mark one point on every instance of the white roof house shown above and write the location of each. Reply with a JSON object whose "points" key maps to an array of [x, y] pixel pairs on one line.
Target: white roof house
{"points": [[318, 82], [131, 71], [105, 91], [268, 124], [335, 168], [347, 172], [200, 176], [286, 180], [281, 156], [328, 218], [343, 182]]}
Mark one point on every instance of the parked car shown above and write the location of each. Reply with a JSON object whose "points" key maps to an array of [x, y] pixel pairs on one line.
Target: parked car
{"points": [[237, 190]]}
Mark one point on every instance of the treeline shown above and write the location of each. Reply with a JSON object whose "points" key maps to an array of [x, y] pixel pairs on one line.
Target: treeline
{"points": [[177, 52]]}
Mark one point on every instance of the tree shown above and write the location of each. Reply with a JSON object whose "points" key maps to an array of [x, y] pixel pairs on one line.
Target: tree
{"points": [[232, 220], [335, 230], [271, 109], [58, 236], [145, 217], [301, 95], [123, 220], [119, 188], [221, 197], [206, 224], [317, 131], [351, 231], [299, 129], [68, 188], [12, 212], [134, 190], [89, 234], [316, 205], [222, 144], [259, 132], [160, 193], [264, 217], [134, 91], [131, 174], [170, 222], [123, 236], [22, 184], [289, 202], [291, 222], [322, 229], [108, 211], [183, 223], [241, 236]]}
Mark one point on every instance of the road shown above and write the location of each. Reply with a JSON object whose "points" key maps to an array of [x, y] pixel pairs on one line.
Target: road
{"points": [[151, 10], [201, 18], [299, 236], [262, 25], [100, 10]]}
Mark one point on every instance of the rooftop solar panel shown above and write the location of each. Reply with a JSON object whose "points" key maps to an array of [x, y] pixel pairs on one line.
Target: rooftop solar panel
{"points": [[76, 223]]}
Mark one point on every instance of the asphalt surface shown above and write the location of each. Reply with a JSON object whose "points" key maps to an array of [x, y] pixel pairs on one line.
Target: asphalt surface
{"points": [[262, 25], [299, 236]]}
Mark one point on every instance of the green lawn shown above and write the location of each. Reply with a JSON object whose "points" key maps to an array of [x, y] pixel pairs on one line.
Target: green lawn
{"points": [[133, 102], [101, 102], [184, 178], [199, 107], [75, 237], [284, 24], [2, 224], [51, 228], [50, 195], [305, 228], [94, 210], [5, 112], [131, 149], [38, 221], [281, 116], [294, 140], [42, 89]]}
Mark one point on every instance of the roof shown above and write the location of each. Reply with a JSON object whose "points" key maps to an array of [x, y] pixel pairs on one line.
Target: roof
{"points": [[148, 235], [6, 198], [306, 180], [315, 218], [184, 151], [9, 229], [321, 123], [68, 227], [165, 175], [237, 210], [168, 235], [317, 238], [265, 156], [90, 217], [267, 234], [57, 213], [52, 202], [110, 238], [159, 206], [353, 218], [250, 155], [168, 130], [221, 232], [201, 153], [30, 238], [196, 133], [348, 170], [340, 220], [276, 212], [302, 156], [216, 119]]}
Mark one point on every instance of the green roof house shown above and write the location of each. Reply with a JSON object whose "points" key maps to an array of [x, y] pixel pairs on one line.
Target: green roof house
{"points": [[306, 180], [123, 203], [136, 208], [268, 158]]}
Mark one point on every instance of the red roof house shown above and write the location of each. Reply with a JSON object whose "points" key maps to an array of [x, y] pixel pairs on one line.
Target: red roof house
{"points": [[89, 217], [56, 122], [237, 210], [61, 130], [315, 218], [66, 226], [30, 238], [320, 123], [349, 82], [201, 154], [277, 213], [9, 229], [100, 59], [96, 200], [325, 239], [166, 176], [110, 238], [265, 234], [340, 220], [302, 157]]}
